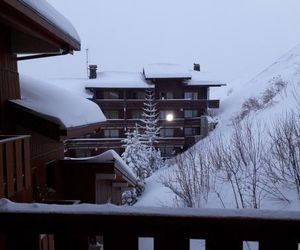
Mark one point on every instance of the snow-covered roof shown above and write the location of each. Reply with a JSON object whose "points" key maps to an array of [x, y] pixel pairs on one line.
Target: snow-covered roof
{"points": [[115, 79], [203, 78], [51, 15], [165, 70], [57, 104], [111, 156]]}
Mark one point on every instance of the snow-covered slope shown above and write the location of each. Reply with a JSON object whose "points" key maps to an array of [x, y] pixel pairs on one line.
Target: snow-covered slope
{"points": [[285, 73]]}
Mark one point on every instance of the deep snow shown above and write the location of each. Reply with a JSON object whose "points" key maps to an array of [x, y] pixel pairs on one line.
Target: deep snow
{"points": [[286, 68]]}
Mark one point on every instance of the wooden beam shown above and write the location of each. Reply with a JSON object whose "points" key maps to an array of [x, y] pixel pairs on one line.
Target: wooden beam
{"points": [[1, 172], [105, 177], [120, 184], [19, 163], [9, 164]]}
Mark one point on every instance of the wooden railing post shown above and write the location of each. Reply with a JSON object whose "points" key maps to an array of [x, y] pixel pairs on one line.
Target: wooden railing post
{"points": [[2, 193], [278, 244], [221, 242], [23, 240], [120, 240], [71, 241], [172, 242]]}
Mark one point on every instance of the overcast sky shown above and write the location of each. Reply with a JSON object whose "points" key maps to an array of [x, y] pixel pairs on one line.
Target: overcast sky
{"points": [[229, 38]]}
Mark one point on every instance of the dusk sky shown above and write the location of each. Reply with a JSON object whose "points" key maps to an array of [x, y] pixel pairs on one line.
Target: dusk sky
{"points": [[229, 38]]}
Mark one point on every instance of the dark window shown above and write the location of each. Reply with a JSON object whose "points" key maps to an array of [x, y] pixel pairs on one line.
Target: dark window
{"points": [[189, 113], [111, 133], [191, 131], [166, 132], [111, 95], [138, 95], [166, 95], [111, 114], [136, 114], [191, 95]]}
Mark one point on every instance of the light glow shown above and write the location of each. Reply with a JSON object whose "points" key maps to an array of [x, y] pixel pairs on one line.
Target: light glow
{"points": [[170, 117]]}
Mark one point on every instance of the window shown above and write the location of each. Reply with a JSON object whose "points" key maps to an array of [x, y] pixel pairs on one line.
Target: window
{"points": [[163, 114], [191, 131], [189, 113], [111, 133], [167, 150], [166, 95], [167, 132], [111, 114], [190, 95], [138, 95], [111, 95], [136, 114]]}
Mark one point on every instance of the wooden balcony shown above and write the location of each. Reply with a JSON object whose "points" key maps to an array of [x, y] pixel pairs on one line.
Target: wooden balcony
{"points": [[165, 104], [169, 228], [15, 172]]}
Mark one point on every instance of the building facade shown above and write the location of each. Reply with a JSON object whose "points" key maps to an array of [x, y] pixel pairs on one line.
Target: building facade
{"points": [[182, 98]]}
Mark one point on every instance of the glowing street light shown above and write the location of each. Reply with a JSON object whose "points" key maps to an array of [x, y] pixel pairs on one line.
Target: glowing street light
{"points": [[170, 117]]}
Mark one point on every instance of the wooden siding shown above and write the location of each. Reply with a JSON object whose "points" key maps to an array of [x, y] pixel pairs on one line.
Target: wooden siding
{"points": [[15, 173], [9, 78]]}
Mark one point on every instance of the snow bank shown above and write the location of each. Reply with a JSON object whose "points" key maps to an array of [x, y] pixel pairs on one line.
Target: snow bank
{"points": [[49, 13], [69, 109], [165, 70], [114, 79]]}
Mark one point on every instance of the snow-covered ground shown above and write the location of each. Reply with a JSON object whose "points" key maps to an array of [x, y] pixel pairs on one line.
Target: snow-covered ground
{"points": [[285, 70]]}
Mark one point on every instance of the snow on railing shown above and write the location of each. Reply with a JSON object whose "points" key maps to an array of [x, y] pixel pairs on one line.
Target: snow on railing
{"points": [[170, 228]]}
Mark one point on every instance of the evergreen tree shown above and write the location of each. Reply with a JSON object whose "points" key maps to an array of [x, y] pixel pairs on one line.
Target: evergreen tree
{"points": [[135, 154], [151, 131]]}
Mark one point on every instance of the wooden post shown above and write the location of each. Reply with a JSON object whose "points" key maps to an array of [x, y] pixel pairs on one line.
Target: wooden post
{"points": [[19, 170], [23, 240], [1, 173], [69, 241], [120, 240], [277, 244], [218, 243], [27, 168], [9, 168], [171, 241]]}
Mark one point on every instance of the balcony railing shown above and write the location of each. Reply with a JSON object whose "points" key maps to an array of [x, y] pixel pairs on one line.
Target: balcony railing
{"points": [[15, 172], [121, 227]]}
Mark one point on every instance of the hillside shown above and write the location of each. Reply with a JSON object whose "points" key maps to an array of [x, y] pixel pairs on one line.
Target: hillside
{"points": [[264, 101]]}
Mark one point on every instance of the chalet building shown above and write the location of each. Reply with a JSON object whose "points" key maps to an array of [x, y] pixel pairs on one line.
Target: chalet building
{"points": [[36, 117], [182, 98]]}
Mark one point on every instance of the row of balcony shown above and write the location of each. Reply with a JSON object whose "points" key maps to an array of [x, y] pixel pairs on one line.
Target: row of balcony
{"points": [[161, 104]]}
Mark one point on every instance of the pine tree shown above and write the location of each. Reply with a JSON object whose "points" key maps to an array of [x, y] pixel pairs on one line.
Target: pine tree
{"points": [[151, 131]]}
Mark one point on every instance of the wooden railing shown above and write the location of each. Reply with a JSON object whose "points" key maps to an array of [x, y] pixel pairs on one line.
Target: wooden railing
{"points": [[15, 173], [121, 227]]}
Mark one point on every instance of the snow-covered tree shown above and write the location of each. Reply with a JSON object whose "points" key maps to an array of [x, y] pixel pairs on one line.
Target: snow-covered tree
{"points": [[135, 154], [151, 131]]}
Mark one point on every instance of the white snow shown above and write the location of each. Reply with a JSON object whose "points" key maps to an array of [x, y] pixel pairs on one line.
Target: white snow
{"points": [[165, 70], [203, 78], [110, 156], [115, 79], [7, 206], [50, 14], [58, 104], [233, 96]]}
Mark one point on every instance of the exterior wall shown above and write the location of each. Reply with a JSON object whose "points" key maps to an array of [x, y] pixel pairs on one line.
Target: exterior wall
{"points": [[9, 79], [127, 103], [45, 152]]}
